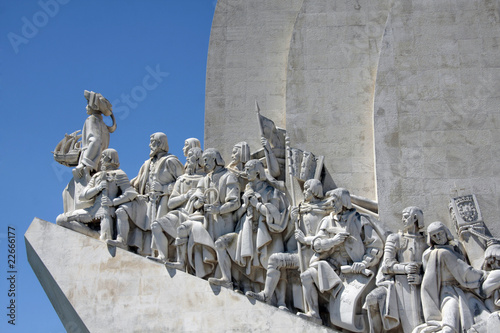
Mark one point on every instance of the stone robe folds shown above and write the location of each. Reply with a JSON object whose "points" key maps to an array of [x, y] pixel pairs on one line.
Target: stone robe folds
{"points": [[259, 235], [226, 185], [363, 244], [95, 138], [448, 278], [400, 303], [204, 229], [165, 169]]}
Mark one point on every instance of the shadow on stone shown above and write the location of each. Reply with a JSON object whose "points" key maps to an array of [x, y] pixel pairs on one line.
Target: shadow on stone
{"points": [[215, 288], [171, 271], [111, 250]]}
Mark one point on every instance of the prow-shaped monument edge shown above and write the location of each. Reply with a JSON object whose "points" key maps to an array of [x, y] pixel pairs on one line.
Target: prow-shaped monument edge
{"points": [[98, 288]]}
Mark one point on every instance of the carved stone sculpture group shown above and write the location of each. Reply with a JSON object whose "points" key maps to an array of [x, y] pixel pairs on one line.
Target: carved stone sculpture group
{"points": [[239, 225]]}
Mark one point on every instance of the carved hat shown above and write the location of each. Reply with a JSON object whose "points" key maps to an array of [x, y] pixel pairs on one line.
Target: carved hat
{"points": [[97, 102]]}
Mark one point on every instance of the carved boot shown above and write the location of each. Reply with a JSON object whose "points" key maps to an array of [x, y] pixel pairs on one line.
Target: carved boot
{"points": [[119, 242], [310, 317], [261, 296], [181, 248], [221, 282]]}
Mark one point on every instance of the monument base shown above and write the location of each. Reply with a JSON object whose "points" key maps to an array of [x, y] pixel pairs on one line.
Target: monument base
{"points": [[97, 288]]}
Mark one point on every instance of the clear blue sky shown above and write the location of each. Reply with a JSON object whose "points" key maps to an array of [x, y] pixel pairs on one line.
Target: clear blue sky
{"points": [[48, 56]]}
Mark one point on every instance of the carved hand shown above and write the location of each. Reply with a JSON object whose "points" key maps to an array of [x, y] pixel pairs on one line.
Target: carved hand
{"points": [[253, 201], [106, 202], [414, 279], [212, 208], [294, 213], [358, 267], [79, 170], [265, 143], [189, 193], [411, 268], [103, 185], [340, 238], [156, 186], [300, 237]]}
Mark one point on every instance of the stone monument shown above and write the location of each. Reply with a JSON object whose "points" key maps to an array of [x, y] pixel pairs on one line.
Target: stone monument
{"points": [[336, 116]]}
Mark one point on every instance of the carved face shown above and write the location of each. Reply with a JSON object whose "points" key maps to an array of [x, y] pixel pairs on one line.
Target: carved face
{"points": [[308, 195], [106, 162], [236, 154], [191, 158], [186, 147], [251, 173], [409, 219], [438, 237], [154, 146], [209, 162]]}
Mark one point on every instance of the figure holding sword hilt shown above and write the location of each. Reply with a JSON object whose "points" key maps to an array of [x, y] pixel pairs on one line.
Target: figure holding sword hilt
{"points": [[310, 211]]}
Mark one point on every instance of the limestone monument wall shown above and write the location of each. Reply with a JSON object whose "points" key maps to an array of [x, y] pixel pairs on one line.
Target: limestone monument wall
{"points": [[96, 288], [401, 97]]}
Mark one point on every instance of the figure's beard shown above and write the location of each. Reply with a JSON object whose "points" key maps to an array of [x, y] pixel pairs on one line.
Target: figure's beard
{"points": [[153, 152]]}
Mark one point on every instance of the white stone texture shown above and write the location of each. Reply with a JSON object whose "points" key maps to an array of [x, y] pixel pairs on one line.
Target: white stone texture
{"points": [[437, 124], [247, 61], [330, 87], [401, 97], [98, 288]]}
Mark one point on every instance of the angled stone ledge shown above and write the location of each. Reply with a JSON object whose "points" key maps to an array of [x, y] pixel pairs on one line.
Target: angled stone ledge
{"points": [[98, 288]]}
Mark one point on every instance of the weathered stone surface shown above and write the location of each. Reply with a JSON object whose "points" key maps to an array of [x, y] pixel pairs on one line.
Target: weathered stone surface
{"points": [[401, 97], [247, 61], [436, 108], [98, 288], [331, 72]]}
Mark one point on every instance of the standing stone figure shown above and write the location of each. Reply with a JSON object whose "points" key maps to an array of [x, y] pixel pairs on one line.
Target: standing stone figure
{"points": [[180, 203], [107, 189], [396, 301], [94, 140], [95, 133], [259, 234], [346, 244], [218, 195], [449, 285], [154, 183], [310, 212]]}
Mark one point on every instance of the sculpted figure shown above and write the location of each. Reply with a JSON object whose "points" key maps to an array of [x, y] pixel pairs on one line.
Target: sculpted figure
{"points": [[180, 204], [107, 189], [264, 217], [218, 195], [240, 155], [447, 299], [188, 144], [94, 139], [154, 183], [396, 301], [311, 212], [346, 247], [95, 133]]}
